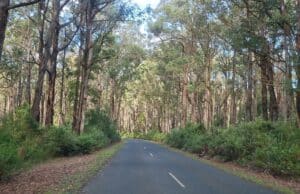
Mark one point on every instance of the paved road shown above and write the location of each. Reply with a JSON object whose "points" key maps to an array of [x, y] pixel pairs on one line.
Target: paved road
{"points": [[142, 167]]}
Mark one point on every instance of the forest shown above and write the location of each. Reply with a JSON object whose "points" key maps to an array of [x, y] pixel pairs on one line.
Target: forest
{"points": [[219, 78]]}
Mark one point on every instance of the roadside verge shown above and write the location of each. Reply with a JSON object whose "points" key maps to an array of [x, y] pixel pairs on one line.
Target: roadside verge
{"points": [[282, 185], [60, 175]]}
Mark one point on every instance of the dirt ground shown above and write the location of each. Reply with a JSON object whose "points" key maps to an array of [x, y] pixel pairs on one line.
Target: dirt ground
{"points": [[46, 175]]}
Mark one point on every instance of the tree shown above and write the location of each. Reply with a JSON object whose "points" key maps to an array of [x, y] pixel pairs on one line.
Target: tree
{"points": [[5, 7]]}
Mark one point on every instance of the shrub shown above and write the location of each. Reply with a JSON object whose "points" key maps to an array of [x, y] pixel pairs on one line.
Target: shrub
{"points": [[91, 141], [180, 138], [278, 159], [20, 141], [156, 135], [62, 141], [197, 144], [274, 147], [9, 158], [176, 138], [23, 142], [98, 120]]}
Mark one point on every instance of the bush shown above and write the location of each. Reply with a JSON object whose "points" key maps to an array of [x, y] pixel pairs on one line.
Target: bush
{"points": [[20, 141], [23, 142], [98, 120], [278, 159], [62, 141], [274, 147], [89, 142], [153, 135], [9, 158], [180, 138]]}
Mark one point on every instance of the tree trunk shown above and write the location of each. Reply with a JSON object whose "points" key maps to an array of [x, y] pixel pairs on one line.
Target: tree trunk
{"points": [[273, 105], [4, 13], [54, 31], [62, 89], [264, 91], [28, 80], [297, 66], [43, 60], [50, 97], [35, 109], [86, 63], [184, 96], [208, 104], [112, 98], [289, 96], [249, 92], [19, 99], [3, 22], [233, 116]]}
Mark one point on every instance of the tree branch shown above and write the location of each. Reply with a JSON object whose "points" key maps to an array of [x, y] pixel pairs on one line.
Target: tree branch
{"points": [[22, 4]]}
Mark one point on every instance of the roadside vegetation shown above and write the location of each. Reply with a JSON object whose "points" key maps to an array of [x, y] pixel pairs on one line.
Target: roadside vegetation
{"points": [[262, 145], [23, 142], [73, 72]]}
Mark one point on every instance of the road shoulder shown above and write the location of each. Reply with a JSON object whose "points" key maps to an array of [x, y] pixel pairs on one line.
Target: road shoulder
{"points": [[282, 185], [60, 175]]}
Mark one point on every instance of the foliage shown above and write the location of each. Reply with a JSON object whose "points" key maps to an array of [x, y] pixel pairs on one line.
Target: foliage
{"points": [[97, 120], [9, 158], [153, 135], [265, 145], [64, 142], [23, 142], [20, 141], [183, 138]]}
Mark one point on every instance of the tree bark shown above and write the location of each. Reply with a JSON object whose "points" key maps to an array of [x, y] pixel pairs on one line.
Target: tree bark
{"points": [[62, 91], [28, 80], [86, 63], [54, 30], [297, 66], [264, 91], [3, 22], [249, 91], [43, 60], [273, 105], [289, 95], [184, 96], [233, 116], [35, 109]]}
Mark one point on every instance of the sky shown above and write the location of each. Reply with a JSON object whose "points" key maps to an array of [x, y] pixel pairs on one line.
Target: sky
{"points": [[145, 3]]}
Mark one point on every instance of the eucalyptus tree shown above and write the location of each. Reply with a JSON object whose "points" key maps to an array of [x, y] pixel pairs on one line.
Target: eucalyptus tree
{"points": [[97, 20], [5, 8], [49, 48], [190, 25]]}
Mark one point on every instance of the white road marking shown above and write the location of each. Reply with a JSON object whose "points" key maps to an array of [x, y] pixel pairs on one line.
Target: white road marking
{"points": [[151, 154], [178, 181], [144, 148]]}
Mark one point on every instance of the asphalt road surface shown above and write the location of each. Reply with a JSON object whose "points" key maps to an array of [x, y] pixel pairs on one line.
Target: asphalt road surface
{"points": [[142, 167]]}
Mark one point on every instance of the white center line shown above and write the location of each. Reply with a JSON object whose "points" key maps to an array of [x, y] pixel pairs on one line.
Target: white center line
{"points": [[151, 154], [178, 181]]}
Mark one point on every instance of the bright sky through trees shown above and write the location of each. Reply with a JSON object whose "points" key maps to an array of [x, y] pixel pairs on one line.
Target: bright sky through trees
{"points": [[145, 3]]}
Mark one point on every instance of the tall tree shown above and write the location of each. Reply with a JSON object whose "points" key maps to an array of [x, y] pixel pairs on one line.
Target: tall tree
{"points": [[5, 7]]}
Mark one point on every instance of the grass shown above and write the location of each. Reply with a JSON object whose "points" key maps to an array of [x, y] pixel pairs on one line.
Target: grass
{"points": [[242, 173], [73, 183]]}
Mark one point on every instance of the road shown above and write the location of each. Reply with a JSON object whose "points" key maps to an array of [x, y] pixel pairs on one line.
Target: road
{"points": [[142, 167]]}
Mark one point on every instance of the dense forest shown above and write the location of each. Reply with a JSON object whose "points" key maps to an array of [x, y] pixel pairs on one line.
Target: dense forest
{"points": [[214, 77]]}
